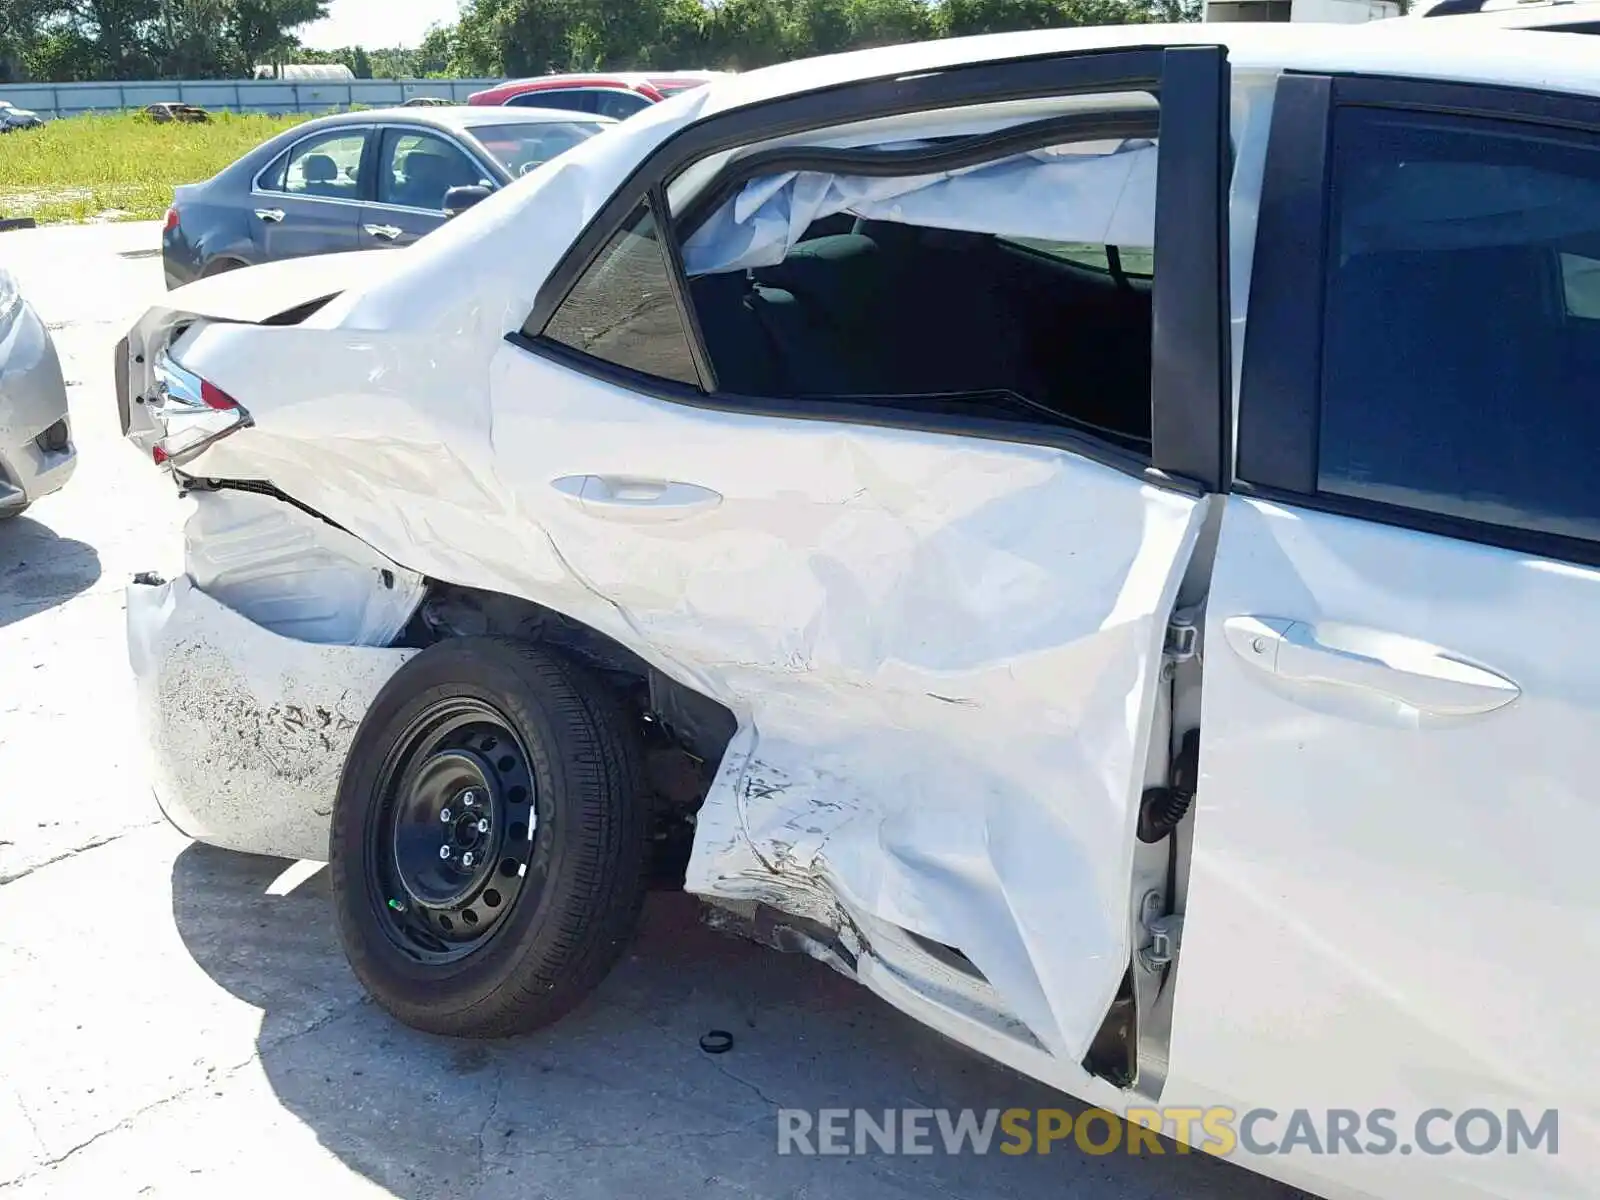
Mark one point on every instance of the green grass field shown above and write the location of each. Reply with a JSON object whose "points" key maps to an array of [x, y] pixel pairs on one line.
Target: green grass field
{"points": [[81, 167]]}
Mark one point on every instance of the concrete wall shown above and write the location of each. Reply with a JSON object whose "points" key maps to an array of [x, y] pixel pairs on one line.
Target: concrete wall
{"points": [[264, 96]]}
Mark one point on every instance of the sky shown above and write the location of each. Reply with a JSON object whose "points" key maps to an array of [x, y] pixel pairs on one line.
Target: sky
{"points": [[377, 24]]}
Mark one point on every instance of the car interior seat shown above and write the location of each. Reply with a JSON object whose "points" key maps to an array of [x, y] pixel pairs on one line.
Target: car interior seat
{"points": [[428, 176], [321, 174]]}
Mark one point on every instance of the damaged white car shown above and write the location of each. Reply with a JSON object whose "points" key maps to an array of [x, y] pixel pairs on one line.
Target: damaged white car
{"points": [[1092, 534]]}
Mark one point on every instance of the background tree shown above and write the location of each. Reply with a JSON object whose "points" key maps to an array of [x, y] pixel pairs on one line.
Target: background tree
{"points": [[260, 29], [201, 39]]}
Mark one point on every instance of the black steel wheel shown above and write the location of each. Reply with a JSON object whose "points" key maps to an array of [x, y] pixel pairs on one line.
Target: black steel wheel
{"points": [[488, 840], [453, 845]]}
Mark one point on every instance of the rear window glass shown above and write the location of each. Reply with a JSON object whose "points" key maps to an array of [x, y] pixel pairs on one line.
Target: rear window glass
{"points": [[521, 148], [623, 310]]}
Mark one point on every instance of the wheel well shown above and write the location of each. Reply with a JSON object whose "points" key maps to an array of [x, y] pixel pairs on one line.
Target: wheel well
{"points": [[222, 263], [685, 732]]}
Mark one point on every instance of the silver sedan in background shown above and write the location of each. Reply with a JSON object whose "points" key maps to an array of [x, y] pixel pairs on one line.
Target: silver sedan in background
{"points": [[36, 451]]}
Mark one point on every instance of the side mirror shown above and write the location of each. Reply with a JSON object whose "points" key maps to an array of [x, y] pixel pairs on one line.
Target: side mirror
{"points": [[458, 199]]}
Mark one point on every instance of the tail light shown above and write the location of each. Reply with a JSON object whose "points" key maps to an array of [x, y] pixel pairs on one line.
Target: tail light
{"points": [[190, 412], [172, 219]]}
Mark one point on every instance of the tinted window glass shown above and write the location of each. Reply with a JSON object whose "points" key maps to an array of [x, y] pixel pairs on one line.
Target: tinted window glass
{"points": [[620, 105], [1461, 344], [417, 169], [623, 310], [328, 165], [271, 179], [522, 147], [568, 101]]}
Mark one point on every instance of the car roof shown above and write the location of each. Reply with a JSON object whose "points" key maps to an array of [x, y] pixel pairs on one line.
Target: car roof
{"points": [[1437, 49], [603, 78]]}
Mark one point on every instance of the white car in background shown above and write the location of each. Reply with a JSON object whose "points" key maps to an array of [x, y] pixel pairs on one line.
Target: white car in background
{"points": [[1092, 534], [37, 456]]}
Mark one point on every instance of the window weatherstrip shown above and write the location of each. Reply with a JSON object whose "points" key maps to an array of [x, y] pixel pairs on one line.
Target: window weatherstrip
{"points": [[677, 280], [1012, 432], [1190, 372], [1280, 392]]}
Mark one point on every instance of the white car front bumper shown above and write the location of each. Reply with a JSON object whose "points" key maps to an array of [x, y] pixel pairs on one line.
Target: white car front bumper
{"points": [[247, 729]]}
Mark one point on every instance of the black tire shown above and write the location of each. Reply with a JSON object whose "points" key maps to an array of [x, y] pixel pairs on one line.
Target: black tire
{"points": [[577, 905]]}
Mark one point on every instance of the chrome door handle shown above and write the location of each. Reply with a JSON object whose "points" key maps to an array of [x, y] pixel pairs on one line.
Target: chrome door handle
{"points": [[387, 232], [1403, 669], [273, 215], [632, 498]]}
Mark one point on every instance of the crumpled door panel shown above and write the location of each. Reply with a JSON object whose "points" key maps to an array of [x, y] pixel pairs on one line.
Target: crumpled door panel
{"points": [[943, 652]]}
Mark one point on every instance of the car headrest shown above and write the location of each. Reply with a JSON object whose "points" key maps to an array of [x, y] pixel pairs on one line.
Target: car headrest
{"points": [[424, 167], [842, 272], [319, 168]]}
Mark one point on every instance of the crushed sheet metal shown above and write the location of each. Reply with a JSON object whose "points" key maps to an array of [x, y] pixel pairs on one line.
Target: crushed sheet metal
{"points": [[248, 730], [294, 574], [943, 651]]}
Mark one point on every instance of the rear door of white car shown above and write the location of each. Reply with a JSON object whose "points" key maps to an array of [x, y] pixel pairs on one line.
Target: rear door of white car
{"points": [[1394, 903], [942, 633]]}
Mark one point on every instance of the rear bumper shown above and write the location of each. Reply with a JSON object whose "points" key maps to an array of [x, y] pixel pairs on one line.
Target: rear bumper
{"points": [[37, 454], [180, 263], [247, 730]]}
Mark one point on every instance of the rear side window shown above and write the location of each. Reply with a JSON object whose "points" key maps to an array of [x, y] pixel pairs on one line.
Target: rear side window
{"points": [[271, 178], [1462, 320], [567, 101], [942, 292], [416, 169], [619, 105], [328, 166], [623, 311]]}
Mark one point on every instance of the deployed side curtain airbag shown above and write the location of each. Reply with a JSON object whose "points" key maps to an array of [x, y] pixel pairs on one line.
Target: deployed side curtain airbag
{"points": [[1054, 194]]}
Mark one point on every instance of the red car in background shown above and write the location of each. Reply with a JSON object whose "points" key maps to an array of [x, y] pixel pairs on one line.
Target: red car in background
{"points": [[618, 95]]}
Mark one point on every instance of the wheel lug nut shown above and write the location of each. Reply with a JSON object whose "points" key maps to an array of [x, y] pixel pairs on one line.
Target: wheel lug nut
{"points": [[466, 859], [444, 851], [469, 798], [483, 825], [445, 816]]}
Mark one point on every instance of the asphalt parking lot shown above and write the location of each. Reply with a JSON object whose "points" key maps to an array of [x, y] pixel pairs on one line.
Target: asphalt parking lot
{"points": [[177, 1021]]}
